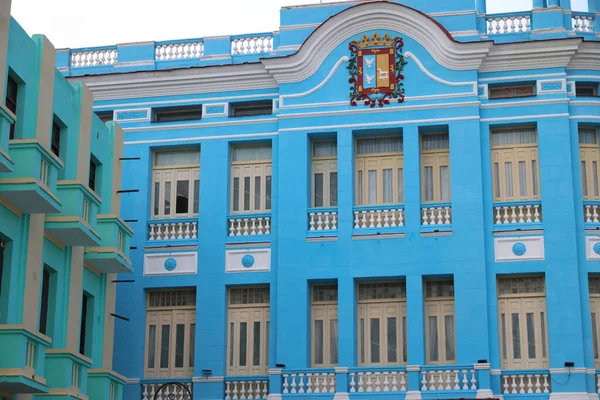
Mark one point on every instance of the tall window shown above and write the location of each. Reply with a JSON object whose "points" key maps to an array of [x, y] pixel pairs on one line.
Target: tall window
{"points": [[594, 284], [324, 326], [379, 171], [46, 302], [176, 184], [170, 333], [12, 89], [522, 322], [324, 174], [515, 167], [248, 331], [86, 327], [440, 330], [589, 158], [382, 334], [435, 164], [92, 179], [55, 143], [251, 179]]}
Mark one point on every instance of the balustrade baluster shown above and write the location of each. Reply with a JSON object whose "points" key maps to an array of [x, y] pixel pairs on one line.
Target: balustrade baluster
{"points": [[352, 382], [545, 384], [378, 381], [286, 383], [369, 383], [521, 385], [361, 383]]}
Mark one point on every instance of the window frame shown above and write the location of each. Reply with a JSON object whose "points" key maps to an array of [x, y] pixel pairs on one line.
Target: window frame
{"points": [[586, 85], [12, 103], [251, 108], [55, 138], [262, 169], [509, 87], [176, 114], [435, 159], [325, 311], [595, 320], [588, 155], [325, 165], [92, 175], [442, 304], [105, 116]]}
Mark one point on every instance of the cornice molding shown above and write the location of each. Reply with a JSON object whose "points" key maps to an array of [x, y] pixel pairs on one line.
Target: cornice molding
{"points": [[587, 57], [380, 16]]}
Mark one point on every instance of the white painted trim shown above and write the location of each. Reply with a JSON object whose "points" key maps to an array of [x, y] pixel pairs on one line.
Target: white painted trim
{"points": [[563, 86], [524, 103], [271, 396], [520, 77], [340, 396], [314, 89], [590, 371], [584, 103], [224, 56], [225, 112], [275, 371], [291, 47], [413, 395], [547, 30], [133, 381], [524, 117], [199, 100], [341, 370], [567, 370], [136, 44], [201, 138], [133, 63], [408, 54], [496, 372], [298, 26], [592, 396], [117, 112], [199, 125], [592, 77], [413, 368], [569, 396], [571, 91], [594, 117], [451, 13], [484, 394], [207, 379], [464, 33], [485, 92]]}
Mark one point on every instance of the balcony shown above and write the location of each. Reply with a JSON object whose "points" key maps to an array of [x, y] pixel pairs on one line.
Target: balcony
{"points": [[591, 214], [322, 222], [243, 228], [380, 219], [583, 22], [75, 226], [509, 23], [175, 229], [68, 372], [7, 118], [167, 389], [22, 360], [105, 384], [436, 217], [246, 387], [32, 183], [518, 215], [526, 382], [111, 256]]}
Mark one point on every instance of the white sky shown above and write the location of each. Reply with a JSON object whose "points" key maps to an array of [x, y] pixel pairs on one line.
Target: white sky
{"points": [[86, 23]]}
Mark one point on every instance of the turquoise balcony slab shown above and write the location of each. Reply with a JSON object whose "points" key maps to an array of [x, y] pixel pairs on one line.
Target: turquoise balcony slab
{"points": [[22, 360], [105, 384], [75, 226], [67, 374], [112, 255], [31, 186], [7, 118]]}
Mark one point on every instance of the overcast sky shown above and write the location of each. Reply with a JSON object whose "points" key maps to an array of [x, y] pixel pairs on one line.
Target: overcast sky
{"points": [[85, 23]]}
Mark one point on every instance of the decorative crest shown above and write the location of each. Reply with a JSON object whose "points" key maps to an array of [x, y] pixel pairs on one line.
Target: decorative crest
{"points": [[375, 40]]}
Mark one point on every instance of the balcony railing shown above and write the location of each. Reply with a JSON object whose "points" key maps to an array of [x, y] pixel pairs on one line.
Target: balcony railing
{"points": [[381, 217], [526, 382], [388, 379], [518, 214], [313, 381], [94, 57], [508, 23], [165, 390], [460, 378], [179, 50], [249, 224], [246, 387], [261, 43], [173, 229], [583, 22], [436, 215], [322, 221], [591, 213]]}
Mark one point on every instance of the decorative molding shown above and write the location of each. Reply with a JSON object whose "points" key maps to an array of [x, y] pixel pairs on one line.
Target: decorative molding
{"points": [[531, 117], [482, 92], [584, 103], [410, 55], [298, 26], [413, 368], [133, 63], [275, 371], [291, 47], [207, 379], [172, 263], [587, 57], [133, 381], [341, 370], [131, 115], [215, 110], [464, 33], [200, 138], [248, 260], [413, 395], [452, 14], [593, 117], [484, 394], [592, 248], [162, 127], [563, 370], [569, 396], [570, 88], [520, 248], [524, 103], [341, 396], [552, 86], [521, 77], [496, 372]]}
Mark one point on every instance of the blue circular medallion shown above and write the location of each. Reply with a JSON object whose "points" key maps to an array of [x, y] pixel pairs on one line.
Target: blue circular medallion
{"points": [[248, 261], [170, 264], [597, 248], [519, 249]]}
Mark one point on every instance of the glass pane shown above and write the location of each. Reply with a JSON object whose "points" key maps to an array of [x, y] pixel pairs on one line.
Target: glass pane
{"points": [[587, 136], [333, 189], [236, 194], [522, 179], [256, 347], [543, 329], [318, 341], [530, 336], [325, 149], [257, 192], [156, 198], [584, 186], [360, 188], [435, 142], [372, 187], [179, 339], [509, 178], [428, 182], [400, 185], [192, 343], [183, 193], [595, 335], [374, 322], [433, 339], [387, 186], [392, 351], [246, 193], [362, 340], [151, 345], [379, 145], [516, 336], [595, 177], [333, 341], [196, 196], [252, 153], [268, 192], [164, 346], [186, 157], [243, 343], [496, 180], [449, 326], [444, 184], [503, 334], [514, 136], [231, 343], [318, 190], [167, 198], [534, 177], [404, 341]]}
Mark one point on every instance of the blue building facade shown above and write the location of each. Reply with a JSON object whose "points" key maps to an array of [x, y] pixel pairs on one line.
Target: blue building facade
{"points": [[382, 199]]}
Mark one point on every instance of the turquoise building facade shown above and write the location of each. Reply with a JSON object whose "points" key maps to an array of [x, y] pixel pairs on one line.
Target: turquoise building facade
{"points": [[62, 240], [382, 199]]}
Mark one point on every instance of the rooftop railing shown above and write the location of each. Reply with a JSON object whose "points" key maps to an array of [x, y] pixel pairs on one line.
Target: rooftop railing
{"points": [[508, 23]]}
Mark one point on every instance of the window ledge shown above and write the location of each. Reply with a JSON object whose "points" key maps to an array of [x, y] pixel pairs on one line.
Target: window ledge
{"points": [[375, 236], [437, 233], [312, 239], [501, 230]]}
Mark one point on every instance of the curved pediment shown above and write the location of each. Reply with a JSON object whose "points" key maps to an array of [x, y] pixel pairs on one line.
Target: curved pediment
{"points": [[378, 15]]}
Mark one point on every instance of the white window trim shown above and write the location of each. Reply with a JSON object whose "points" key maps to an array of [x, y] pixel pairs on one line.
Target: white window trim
{"points": [[325, 166], [250, 169], [435, 159]]}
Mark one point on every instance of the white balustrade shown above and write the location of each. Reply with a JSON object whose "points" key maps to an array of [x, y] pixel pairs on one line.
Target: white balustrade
{"points": [[319, 382], [513, 24], [169, 392], [252, 45], [591, 213], [381, 218], [455, 379], [436, 216], [322, 221], [525, 383], [583, 23], [384, 381], [179, 51], [173, 230], [94, 58], [523, 214], [250, 226], [241, 390]]}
